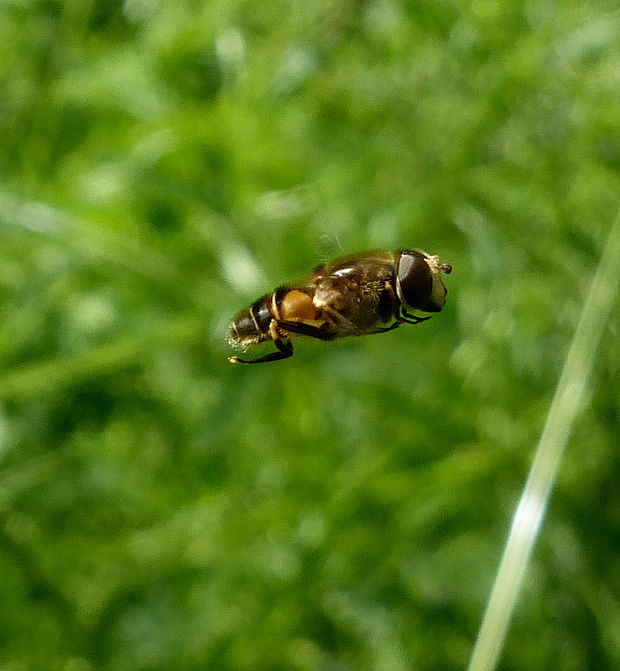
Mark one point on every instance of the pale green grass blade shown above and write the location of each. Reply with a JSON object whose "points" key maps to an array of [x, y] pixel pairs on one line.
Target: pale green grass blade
{"points": [[564, 408]]}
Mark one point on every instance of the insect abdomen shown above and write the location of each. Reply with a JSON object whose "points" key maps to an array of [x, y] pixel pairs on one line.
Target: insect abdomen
{"points": [[251, 326]]}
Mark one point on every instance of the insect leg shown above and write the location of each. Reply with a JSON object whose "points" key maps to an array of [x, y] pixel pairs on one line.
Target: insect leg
{"points": [[385, 329], [408, 318], [404, 317], [301, 328], [284, 345]]}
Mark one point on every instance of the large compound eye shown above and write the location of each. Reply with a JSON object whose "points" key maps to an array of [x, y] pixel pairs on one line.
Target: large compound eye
{"points": [[415, 280]]}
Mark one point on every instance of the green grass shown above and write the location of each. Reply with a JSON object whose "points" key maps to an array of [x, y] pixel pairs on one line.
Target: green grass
{"points": [[163, 165]]}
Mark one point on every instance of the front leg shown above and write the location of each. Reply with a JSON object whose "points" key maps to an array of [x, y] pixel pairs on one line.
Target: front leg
{"points": [[408, 318], [383, 329], [389, 305], [399, 320]]}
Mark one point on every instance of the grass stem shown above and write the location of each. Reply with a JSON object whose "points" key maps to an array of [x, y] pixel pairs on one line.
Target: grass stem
{"points": [[566, 403]]}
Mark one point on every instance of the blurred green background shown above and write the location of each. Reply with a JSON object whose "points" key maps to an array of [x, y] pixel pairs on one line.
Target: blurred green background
{"points": [[164, 164]]}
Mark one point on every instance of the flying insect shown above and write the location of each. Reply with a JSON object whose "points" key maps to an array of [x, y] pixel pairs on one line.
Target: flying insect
{"points": [[371, 292]]}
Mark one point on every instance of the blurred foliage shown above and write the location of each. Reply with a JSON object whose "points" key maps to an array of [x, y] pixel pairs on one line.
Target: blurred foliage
{"points": [[164, 164]]}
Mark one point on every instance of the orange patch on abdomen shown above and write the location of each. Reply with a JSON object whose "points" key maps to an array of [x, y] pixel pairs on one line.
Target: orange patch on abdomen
{"points": [[297, 305]]}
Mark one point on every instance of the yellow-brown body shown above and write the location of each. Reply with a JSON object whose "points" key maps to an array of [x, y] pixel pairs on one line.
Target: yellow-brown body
{"points": [[356, 295]]}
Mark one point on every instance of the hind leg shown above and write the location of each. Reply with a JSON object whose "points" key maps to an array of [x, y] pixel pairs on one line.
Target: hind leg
{"points": [[301, 328], [284, 345]]}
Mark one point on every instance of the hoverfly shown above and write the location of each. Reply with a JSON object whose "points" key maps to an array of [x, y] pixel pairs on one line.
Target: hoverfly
{"points": [[371, 292]]}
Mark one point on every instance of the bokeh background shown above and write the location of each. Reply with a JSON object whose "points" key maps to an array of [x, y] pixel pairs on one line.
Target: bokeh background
{"points": [[163, 165]]}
